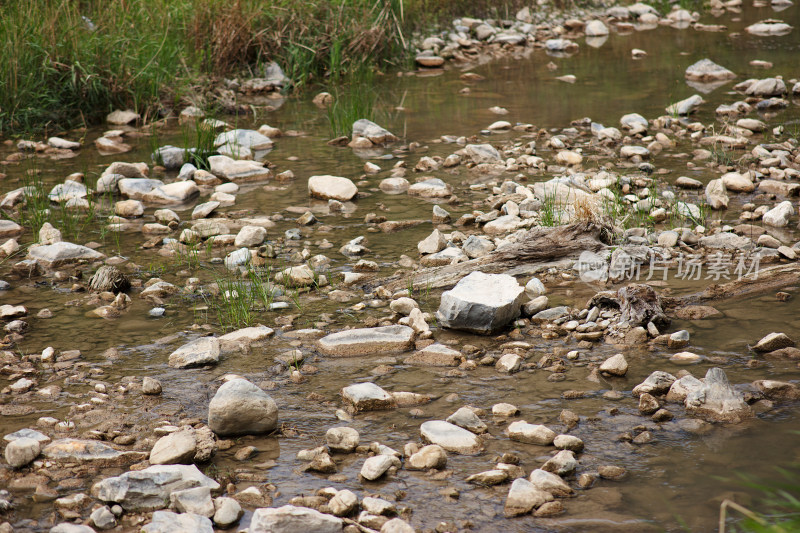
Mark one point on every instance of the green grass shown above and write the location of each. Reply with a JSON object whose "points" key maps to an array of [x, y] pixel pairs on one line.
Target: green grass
{"points": [[74, 223], [59, 69], [551, 211], [67, 63], [358, 100], [199, 136], [776, 509], [242, 301]]}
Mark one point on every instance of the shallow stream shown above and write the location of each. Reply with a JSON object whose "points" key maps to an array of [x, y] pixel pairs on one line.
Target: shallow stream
{"points": [[674, 484]]}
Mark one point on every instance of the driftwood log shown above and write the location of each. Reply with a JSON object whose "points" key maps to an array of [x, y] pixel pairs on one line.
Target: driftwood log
{"points": [[539, 245], [768, 279]]}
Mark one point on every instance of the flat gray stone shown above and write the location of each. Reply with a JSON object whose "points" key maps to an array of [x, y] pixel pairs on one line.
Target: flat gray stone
{"points": [[62, 253], [291, 519], [238, 171], [365, 341], [198, 352], [27, 433], [169, 522], [149, 489], [367, 397], [176, 448], [77, 450]]}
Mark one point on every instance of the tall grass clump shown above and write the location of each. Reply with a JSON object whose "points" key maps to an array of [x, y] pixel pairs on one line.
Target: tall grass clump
{"points": [[357, 101], [66, 63], [552, 211], [69, 62], [198, 140], [242, 301]]}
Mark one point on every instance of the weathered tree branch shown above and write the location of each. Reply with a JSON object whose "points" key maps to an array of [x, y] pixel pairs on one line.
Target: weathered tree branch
{"points": [[539, 245], [768, 279]]}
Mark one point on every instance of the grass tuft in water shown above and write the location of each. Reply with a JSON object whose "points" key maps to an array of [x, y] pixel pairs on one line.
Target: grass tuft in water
{"points": [[198, 141], [551, 212], [357, 100], [242, 300]]}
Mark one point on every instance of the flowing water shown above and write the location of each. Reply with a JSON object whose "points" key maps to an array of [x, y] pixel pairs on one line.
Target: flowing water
{"points": [[675, 483]]}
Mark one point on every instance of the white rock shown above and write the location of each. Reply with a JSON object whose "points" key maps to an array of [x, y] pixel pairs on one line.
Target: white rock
{"points": [[179, 192], [780, 215], [531, 433], [198, 352], [149, 489], [375, 466], [291, 519], [367, 397], [483, 153], [450, 437], [523, 497], [435, 242], [467, 419], [196, 500], [227, 511], [250, 236], [363, 341], [481, 303], [331, 187], [534, 288], [616, 365], [22, 451], [706, 71], [685, 107], [430, 456], [169, 522], [342, 439], [509, 363], [241, 408], [176, 448], [238, 171], [62, 253], [596, 28]]}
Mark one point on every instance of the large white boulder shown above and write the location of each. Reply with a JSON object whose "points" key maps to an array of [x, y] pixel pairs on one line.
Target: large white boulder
{"points": [[481, 303], [241, 408]]}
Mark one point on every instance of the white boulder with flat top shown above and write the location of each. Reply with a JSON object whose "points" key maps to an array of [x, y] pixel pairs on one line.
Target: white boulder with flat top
{"points": [[481, 303]]}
